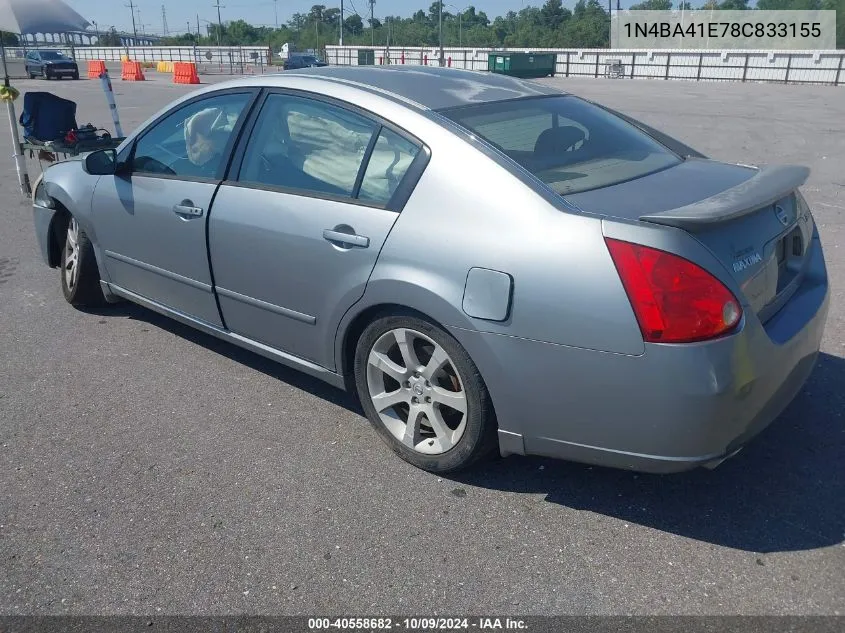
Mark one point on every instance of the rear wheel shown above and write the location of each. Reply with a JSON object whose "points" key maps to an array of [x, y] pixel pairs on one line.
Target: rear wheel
{"points": [[80, 276], [423, 394]]}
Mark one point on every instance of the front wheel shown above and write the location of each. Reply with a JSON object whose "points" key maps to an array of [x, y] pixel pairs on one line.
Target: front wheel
{"points": [[423, 394], [75, 76], [80, 276]]}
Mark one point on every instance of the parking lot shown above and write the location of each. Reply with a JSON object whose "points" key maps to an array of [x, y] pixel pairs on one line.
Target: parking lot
{"points": [[148, 468]]}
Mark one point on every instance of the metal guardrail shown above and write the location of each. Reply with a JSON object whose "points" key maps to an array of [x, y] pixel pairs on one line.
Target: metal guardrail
{"points": [[794, 67]]}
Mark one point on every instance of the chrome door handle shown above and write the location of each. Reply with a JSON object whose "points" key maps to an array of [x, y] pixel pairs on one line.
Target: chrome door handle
{"points": [[346, 238], [184, 209]]}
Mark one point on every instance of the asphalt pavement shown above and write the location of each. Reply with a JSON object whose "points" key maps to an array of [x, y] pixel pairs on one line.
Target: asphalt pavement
{"points": [[148, 468]]}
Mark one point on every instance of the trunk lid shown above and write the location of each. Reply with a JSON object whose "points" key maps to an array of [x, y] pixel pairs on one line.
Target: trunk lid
{"points": [[753, 220]]}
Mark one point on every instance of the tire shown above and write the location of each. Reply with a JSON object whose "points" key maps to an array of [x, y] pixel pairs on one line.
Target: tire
{"points": [[435, 372], [75, 76], [80, 277], [32, 75], [47, 75]]}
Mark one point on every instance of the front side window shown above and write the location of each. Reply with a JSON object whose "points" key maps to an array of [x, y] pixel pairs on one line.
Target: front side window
{"points": [[571, 145], [192, 141], [308, 145]]}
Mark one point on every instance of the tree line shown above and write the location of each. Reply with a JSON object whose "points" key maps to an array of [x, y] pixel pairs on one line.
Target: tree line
{"points": [[551, 25]]}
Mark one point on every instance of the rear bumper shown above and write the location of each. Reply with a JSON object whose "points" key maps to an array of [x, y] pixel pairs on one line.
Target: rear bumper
{"points": [[673, 408]]}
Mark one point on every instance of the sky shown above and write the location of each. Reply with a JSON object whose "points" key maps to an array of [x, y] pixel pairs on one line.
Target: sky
{"points": [[109, 13]]}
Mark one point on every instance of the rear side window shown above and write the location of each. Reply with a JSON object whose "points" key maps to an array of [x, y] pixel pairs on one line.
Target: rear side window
{"points": [[571, 145], [392, 156]]}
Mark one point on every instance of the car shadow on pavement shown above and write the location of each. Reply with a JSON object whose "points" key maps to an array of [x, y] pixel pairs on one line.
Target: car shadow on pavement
{"points": [[784, 492], [255, 361]]}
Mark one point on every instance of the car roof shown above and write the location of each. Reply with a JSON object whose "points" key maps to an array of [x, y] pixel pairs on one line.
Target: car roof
{"points": [[434, 88]]}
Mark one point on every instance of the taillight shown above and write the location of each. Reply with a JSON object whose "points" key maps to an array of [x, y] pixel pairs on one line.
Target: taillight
{"points": [[675, 301]]}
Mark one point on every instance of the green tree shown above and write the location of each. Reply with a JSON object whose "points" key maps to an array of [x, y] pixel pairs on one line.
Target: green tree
{"points": [[109, 38], [652, 5], [354, 24]]}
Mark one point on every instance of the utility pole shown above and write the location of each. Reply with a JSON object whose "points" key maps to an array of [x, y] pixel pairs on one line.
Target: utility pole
{"points": [[199, 35], [164, 20], [276, 10], [189, 28], [219, 21], [317, 19], [442, 60], [131, 7], [341, 23], [372, 22]]}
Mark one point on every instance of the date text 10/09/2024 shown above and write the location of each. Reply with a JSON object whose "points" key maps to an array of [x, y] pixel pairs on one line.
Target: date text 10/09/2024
{"points": [[417, 624], [723, 29]]}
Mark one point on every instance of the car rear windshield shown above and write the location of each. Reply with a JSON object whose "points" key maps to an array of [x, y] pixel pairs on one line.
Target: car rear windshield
{"points": [[568, 143], [51, 55]]}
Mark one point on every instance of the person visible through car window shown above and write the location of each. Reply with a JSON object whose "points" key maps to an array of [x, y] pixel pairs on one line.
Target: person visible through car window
{"points": [[206, 134]]}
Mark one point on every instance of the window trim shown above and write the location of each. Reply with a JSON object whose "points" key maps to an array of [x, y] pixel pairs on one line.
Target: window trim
{"points": [[400, 196], [228, 151]]}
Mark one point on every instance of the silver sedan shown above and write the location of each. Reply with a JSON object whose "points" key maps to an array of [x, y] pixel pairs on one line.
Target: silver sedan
{"points": [[487, 262]]}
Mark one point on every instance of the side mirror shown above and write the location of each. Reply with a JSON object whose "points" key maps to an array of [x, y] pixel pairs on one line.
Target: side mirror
{"points": [[101, 163]]}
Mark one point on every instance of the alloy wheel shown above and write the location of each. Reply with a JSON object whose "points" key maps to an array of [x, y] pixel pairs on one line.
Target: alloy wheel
{"points": [[71, 264], [417, 391]]}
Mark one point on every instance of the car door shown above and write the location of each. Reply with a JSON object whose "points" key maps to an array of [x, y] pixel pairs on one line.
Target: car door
{"points": [[295, 234], [150, 218]]}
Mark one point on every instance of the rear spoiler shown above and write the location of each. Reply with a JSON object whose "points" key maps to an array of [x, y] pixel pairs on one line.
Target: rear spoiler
{"points": [[765, 187]]}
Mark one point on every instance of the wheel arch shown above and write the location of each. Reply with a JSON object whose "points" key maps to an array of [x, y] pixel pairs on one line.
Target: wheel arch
{"points": [[65, 188], [384, 297]]}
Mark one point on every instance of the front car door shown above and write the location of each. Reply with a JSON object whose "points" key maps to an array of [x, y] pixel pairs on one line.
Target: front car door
{"points": [[295, 234], [151, 217]]}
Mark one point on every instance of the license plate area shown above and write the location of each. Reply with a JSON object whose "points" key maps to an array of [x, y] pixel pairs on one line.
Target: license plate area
{"points": [[789, 252]]}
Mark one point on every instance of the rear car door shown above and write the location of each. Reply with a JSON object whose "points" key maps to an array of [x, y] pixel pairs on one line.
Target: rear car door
{"points": [[296, 232], [151, 217]]}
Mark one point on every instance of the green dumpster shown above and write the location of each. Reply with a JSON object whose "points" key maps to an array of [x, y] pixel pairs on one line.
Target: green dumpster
{"points": [[524, 65], [366, 57]]}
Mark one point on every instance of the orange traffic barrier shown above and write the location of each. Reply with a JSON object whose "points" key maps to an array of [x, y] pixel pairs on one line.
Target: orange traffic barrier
{"points": [[96, 68], [185, 73], [132, 71]]}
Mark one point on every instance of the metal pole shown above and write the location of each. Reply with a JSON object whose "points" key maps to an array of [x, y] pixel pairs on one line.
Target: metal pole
{"points": [[440, 20], [219, 22], [341, 23], [20, 161], [131, 7]]}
